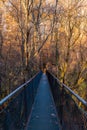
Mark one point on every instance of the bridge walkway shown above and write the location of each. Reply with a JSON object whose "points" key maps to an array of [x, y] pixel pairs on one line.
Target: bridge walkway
{"points": [[43, 115]]}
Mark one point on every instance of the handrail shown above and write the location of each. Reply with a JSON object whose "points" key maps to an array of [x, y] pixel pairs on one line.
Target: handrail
{"points": [[72, 92], [16, 90], [76, 95]]}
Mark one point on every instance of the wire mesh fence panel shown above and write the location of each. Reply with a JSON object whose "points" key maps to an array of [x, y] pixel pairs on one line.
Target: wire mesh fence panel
{"points": [[16, 114], [72, 117]]}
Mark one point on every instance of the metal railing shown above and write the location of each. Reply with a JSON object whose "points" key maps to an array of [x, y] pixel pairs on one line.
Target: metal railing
{"points": [[20, 88], [72, 92], [71, 115], [16, 107]]}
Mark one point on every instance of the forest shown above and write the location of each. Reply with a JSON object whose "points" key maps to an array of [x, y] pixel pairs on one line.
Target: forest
{"points": [[37, 34]]}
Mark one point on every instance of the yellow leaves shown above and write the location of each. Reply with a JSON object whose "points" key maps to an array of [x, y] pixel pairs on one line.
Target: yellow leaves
{"points": [[62, 29], [80, 81], [36, 1], [44, 15], [64, 68], [84, 66], [62, 74], [82, 90]]}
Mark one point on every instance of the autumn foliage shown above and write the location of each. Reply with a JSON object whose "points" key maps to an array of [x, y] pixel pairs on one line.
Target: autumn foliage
{"points": [[37, 34]]}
